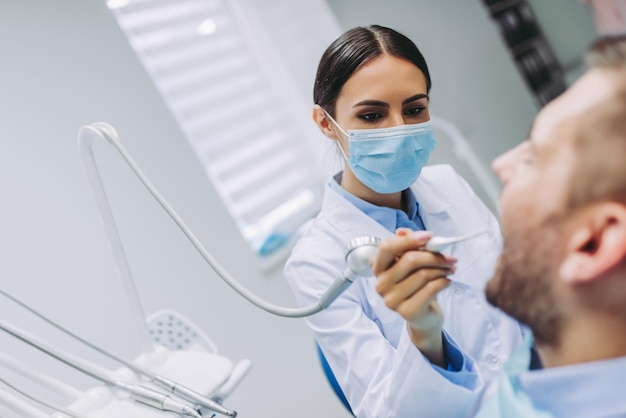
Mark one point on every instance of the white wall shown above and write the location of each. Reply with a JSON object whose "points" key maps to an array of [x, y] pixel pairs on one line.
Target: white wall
{"points": [[65, 64]]}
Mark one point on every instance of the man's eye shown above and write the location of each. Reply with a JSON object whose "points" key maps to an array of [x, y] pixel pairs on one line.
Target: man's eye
{"points": [[528, 159]]}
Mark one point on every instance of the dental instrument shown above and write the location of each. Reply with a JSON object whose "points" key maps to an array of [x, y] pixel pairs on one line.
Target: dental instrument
{"points": [[438, 244], [20, 406], [42, 402], [172, 386], [137, 392], [42, 379], [106, 132]]}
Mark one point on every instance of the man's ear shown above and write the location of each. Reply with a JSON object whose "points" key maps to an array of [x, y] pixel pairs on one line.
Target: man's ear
{"points": [[597, 245], [324, 123]]}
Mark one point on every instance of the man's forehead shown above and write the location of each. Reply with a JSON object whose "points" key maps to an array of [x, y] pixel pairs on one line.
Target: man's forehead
{"points": [[592, 89]]}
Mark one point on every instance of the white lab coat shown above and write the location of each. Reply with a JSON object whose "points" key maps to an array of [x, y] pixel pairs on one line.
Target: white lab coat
{"points": [[367, 345]]}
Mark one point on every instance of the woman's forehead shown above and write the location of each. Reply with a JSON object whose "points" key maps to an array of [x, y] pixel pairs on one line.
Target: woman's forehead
{"points": [[384, 77]]}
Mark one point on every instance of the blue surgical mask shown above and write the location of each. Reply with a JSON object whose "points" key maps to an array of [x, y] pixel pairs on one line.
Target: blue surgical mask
{"points": [[389, 160]]}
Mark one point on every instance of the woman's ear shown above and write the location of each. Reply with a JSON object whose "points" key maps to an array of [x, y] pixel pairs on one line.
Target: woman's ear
{"points": [[597, 245], [324, 123]]}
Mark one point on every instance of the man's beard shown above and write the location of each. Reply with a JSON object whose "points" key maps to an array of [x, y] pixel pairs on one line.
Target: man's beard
{"points": [[522, 285]]}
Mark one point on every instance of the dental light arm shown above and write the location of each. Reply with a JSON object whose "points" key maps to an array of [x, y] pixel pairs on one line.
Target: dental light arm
{"points": [[107, 132]]}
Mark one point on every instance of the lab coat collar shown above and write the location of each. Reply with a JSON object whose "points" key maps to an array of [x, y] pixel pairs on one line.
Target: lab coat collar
{"points": [[428, 195], [433, 209], [433, 206], [348, 219]]}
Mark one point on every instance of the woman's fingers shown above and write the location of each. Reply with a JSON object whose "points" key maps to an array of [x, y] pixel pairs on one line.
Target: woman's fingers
{"points": [[421, 311], [408, 278], [417, 309], [424, 282], [407, 264], [392, 248]]}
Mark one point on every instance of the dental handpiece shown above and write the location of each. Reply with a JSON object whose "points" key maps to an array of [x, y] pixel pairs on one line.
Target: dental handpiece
{"points": [[360, 254], [437, 244], [138, 393], [161, 381]]}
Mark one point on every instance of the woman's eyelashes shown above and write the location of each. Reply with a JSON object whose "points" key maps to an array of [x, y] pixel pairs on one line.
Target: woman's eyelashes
{"points": [[371, 116], [414, 111], [375, 117]]}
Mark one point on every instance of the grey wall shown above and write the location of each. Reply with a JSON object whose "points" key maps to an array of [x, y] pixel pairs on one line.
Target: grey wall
{"points": [[65, 64], [568, 27], [475, 82]]}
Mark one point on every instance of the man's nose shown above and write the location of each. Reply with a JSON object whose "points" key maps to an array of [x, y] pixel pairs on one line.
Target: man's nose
{"points": [[502, 166]]}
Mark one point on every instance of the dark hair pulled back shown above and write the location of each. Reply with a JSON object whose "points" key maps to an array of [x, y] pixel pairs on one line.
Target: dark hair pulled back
{"points": [[355, 48]]}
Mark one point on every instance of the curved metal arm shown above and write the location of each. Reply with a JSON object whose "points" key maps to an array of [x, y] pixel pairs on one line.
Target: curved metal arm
{"points": [[85, 146], [105, 131]]}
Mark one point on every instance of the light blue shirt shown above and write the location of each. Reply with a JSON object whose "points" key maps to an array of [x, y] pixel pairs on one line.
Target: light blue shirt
{"points": [[587, 390], [383, 215]]}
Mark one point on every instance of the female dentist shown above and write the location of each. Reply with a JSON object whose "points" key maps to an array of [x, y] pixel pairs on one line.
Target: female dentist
{"points": [[371, 96]]}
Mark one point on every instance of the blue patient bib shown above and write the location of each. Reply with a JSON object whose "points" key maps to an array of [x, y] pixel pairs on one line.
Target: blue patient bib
{"points": [[510, 401]]}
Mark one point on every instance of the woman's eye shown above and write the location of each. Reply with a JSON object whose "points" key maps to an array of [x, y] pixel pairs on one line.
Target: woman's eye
{"points": [[414, 111], [370, 117]]}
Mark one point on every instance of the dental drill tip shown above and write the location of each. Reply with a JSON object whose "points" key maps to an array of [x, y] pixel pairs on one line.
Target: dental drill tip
{"points": [[198, 399], [215, 407], [190, 412]]}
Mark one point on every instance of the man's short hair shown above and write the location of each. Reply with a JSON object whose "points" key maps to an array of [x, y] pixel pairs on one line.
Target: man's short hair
{"points": [[608, 51], [600, 141]]}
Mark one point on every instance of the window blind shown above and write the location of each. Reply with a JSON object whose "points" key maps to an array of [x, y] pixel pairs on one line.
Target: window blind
{"points": [[201, 59]]}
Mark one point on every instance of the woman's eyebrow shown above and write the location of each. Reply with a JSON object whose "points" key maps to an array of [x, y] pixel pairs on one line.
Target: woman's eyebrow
{"points": [[384, 104], [371, 103], [416, 97]]}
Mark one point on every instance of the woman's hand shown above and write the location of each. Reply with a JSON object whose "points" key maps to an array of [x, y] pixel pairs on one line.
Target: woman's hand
{"points": [[408, 281]]}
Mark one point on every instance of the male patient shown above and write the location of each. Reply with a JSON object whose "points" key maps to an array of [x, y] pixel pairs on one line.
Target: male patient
{"points": [[562, 271]]}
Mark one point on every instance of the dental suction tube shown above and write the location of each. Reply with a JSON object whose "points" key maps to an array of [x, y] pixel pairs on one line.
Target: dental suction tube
{"points": [[358, 252]]}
